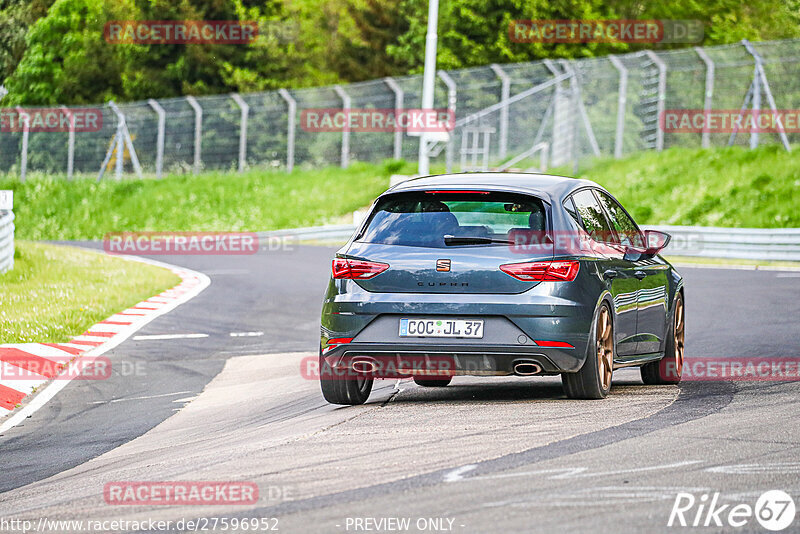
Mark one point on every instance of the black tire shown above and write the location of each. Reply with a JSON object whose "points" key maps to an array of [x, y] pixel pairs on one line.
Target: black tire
{"points": [[433, 382], [343, 390], [669, 369], [592, 382]]}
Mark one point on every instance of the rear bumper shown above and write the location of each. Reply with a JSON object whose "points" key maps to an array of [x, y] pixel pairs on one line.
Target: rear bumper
{"points": [[393, 360], [514, 326]]}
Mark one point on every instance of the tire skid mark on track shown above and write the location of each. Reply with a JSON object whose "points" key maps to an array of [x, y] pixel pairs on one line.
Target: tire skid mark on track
{"points": [[684, 409]]}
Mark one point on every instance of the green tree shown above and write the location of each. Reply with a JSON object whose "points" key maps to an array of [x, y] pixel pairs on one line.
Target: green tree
{"points": [[16, 16], [67, 59], [475, 32], [361, 54]]}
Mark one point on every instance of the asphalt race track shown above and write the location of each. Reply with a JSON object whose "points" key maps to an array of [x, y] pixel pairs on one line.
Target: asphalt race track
{"points": [[482, 455]]}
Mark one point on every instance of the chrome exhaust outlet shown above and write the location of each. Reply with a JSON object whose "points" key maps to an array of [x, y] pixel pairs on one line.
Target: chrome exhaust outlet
{"points": [[364, 366], [527, 368]]}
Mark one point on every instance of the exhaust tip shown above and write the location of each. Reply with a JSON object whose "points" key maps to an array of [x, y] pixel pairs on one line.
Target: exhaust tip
{"points": [[364, 366], [527, 368]]}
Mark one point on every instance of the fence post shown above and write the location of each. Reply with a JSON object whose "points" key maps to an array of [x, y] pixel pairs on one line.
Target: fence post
{"points": [[452, 99], [70, 142], [245, 109], [770, 99], [756, 99], [162, 118], [346, 130], [123, 136], [709, 95], [662, 95], [575, 87], [198, 131], [6, 231], [505, 93], [622, 99], [562, 137], [398, 107], [290, 128], [26, 125], [759, 78]]}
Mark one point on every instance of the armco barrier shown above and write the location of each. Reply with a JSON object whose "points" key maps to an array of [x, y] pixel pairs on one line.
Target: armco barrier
{"points": [[736, 243], [6, 240], [340, 232], [700, 241]]}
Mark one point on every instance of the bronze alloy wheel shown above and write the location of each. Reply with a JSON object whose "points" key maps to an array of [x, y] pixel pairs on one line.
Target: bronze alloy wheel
{"points": [[593, 379], [669, 369], [678, 330], [605, 348]]}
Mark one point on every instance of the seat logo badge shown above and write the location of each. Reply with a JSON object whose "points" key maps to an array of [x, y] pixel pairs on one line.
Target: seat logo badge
{"points": [[443, 266]]}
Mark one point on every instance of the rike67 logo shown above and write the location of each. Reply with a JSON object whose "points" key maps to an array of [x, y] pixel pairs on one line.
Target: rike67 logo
{"points": [[774, 510]]}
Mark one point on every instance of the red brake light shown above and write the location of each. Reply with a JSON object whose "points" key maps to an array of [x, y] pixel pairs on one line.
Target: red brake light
{"points": [[557, 344], [543, 271], [357, 269], [460, 192], [334, 342]]}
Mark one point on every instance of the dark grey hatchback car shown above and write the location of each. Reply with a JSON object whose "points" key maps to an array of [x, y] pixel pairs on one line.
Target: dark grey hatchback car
{"points": [[499, 274]]}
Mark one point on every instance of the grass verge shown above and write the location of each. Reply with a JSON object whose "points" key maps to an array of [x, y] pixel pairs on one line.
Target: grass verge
{"points": [[730, 187], [52, 208], [55, 293]]}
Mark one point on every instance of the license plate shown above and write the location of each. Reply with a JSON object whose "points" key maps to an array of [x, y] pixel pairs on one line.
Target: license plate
{"points": [[469, 328]]}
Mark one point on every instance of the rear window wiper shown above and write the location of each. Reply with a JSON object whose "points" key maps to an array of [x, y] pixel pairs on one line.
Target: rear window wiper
{"points": [[451, 240]]}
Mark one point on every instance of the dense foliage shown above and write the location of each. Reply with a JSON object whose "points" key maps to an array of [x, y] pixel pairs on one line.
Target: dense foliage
{"points": [[53, 51]]}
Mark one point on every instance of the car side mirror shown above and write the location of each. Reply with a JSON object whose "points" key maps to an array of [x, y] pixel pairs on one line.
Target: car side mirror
{"points": [[655, 241]]}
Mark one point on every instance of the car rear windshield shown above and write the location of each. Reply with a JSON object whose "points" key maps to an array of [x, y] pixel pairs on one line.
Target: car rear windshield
{"points": [[442, 220]]}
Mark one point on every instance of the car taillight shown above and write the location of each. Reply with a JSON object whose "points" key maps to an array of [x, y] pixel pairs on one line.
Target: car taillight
{"points": [[543, 271], [335, 342], [357, 269]]}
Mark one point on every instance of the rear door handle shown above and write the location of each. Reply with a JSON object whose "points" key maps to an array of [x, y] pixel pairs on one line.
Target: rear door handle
{"points": [[640, 274], [610, 274]]}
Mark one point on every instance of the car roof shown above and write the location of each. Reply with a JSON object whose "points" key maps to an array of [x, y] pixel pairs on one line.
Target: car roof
{"points": [[543, 185]]}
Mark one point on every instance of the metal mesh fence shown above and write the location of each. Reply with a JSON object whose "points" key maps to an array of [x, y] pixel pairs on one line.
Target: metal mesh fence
{"points": [[609, 106]]}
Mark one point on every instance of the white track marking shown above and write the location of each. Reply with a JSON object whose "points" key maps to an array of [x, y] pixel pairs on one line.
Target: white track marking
{"points": [[168, 336], [142, 398], [55, 386], [583, 472], [457, 474], [756, 469], [186, 399], [246, 334], [218, 272]]}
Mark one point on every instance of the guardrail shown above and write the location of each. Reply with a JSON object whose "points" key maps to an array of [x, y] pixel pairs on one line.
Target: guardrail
{"points": [[736, 243], [6, 240], [340, 232], [700, 241]]}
